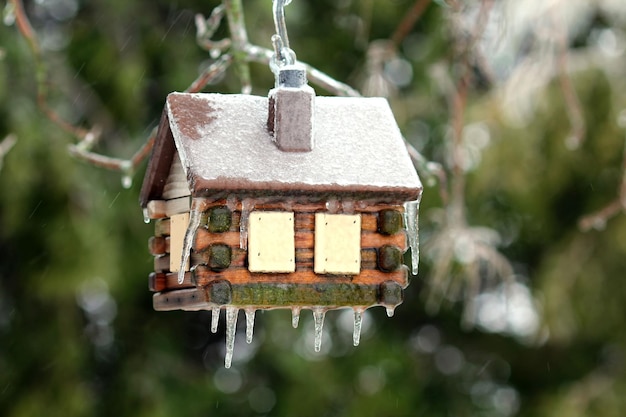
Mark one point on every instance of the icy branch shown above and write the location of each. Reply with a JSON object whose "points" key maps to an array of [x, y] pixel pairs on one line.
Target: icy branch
{"points": [[5, 146]]}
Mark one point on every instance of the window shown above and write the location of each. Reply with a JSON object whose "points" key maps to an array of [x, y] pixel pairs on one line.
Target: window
{"points": [[271, 242], [337, 244]]}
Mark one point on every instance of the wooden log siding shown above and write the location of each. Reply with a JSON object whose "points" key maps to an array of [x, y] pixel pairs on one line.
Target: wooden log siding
{"points": [[202, 276], [237, 272]]}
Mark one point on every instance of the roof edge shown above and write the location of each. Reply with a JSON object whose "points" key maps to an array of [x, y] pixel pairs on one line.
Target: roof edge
{"points": [[159, 163]]}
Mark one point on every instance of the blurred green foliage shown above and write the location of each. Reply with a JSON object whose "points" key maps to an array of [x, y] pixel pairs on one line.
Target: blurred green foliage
{"points": [[78, 336]]}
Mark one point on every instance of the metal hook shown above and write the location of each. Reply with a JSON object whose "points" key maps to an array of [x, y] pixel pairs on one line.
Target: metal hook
{"points": [[279, 20], [283, 55]]}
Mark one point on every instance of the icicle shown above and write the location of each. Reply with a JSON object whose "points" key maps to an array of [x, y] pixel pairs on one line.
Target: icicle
{"points": [[287, 204], [318, 317], [195, 216], [231, 328], [411, 219], [247, 205], [333, 206], [348, 206], [358, 320], [231, 202], [390, 311], [249, 324], [146, 216], [295, 316], [215, 318]]}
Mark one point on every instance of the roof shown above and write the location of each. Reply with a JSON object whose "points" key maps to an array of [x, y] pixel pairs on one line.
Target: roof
{"points": [[224, 145]]}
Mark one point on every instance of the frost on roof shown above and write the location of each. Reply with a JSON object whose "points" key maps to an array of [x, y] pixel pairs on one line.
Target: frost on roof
{"points": [[223, 140]]}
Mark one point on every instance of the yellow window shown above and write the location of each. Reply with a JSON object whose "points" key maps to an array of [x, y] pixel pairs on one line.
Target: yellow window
{"points": [[337, 243], [271, 242]]}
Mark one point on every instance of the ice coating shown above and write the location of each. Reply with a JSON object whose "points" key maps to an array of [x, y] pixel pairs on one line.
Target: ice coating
{"points": [[231, 328], [215, 318], [226, 145], [358, 320], [333, 206], [411, 213], [195, 216], [231, 202], [318, 318], [348, 206], [146, 217], [249, 324], [247, 205]]}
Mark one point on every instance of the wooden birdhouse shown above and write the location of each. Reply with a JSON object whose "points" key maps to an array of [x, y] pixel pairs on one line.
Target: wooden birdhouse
{"points": [[288, 201]]}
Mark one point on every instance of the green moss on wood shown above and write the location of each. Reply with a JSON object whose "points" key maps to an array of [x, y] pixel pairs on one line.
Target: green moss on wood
{"points": [[286, 295], [219, 220], [389, 258], [391, 294], [389, 222], [220, 256]]}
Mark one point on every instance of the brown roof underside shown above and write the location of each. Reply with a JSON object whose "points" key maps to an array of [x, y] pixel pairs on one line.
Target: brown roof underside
{"points": [[159, 163]]}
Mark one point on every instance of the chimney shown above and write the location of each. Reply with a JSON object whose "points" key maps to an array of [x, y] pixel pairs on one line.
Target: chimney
{"points": [[291, 103]]}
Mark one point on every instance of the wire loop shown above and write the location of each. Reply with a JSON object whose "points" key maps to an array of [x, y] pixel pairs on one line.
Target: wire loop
{"points": [[283, 55]]}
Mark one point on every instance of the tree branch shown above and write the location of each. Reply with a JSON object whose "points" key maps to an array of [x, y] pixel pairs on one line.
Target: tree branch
{"points": [[598, 219], [409, 20]]}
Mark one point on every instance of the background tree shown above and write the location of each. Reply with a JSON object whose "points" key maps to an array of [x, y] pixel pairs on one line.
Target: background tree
{"points": [[519, 109]]}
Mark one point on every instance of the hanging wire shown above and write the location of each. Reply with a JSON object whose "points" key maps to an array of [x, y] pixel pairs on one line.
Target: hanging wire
{"points": [[283, 55]]}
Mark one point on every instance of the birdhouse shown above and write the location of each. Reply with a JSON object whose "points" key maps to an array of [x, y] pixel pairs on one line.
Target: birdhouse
{"points": [[287, 201]]}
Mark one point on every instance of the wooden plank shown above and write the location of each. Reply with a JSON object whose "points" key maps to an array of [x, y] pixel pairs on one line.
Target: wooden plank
{"points": [[162, 227], [204, 238], [191, 299], [368, 240], [159, 163], [156, 209], [306, 222], [304, 258], [176, 184], [157, 282], [177, 206], [303, 240], [269, 296], [158, 245], [284, 205], [162, 262], [203, 276]]}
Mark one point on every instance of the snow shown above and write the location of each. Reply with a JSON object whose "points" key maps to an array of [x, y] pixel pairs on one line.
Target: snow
{"points": [[224, 141]]}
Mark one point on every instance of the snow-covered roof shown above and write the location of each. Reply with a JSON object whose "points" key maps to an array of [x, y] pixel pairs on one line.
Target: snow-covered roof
{"points": [[224, 145]]}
